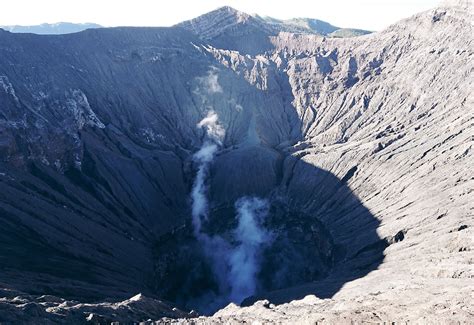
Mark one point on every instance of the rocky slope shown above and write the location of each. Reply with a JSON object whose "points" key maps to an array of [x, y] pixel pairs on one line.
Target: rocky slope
{"points": [[363, 146]]}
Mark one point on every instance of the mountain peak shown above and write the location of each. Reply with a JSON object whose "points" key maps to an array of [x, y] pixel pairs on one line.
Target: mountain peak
{"points": [[231, 12], [213, 23], [228, 9]]}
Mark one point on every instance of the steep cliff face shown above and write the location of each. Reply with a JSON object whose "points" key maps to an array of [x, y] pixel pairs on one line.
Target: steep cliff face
{"points": [[362, 146]]}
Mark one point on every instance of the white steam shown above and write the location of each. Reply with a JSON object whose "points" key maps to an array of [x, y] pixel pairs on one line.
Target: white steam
{"points": [[209, 83], [198, 194], [204, 157], [214, 130], [215, 248], [212, 83], [235, 266], [244, 260]]}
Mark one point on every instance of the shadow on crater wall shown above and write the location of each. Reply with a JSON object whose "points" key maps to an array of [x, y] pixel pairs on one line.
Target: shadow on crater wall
{"points": [[356, 247], [323, 234]]}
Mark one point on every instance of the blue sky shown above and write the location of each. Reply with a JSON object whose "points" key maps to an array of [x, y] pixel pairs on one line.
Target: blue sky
{"points": [[365, 14]]}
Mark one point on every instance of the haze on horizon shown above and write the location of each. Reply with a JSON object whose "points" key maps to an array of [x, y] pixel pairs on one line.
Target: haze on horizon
{"points": [[364, 14]]}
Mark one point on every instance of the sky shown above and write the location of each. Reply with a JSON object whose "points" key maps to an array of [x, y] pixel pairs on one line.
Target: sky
{"points": [[365, 14]]}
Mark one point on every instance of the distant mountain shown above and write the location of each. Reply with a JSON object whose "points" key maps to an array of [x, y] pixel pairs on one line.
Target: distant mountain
{"points": [[303, 25], [214, 22], [49, 29], [312, 26], [348, 32], [229, 28]]}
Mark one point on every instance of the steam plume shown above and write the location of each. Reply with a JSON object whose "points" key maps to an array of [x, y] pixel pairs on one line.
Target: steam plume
{"points": [[215, 248], [200, 205], [204, 157], [244, 260], [235, 268], [213, 129]]}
